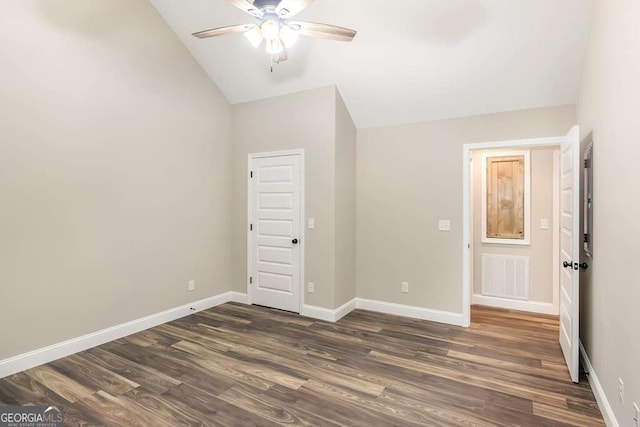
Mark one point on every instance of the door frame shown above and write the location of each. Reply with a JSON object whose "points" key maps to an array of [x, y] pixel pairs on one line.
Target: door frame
{"points": [[302, 239], [467, 206]]}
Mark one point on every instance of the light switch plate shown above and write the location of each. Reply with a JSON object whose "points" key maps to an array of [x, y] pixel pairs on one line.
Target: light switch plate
{"points": [[311, 223], [444, 225], [544, 224]]}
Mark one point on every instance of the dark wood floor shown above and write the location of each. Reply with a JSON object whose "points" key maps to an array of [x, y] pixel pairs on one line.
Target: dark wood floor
{"points": [[246, 365]]}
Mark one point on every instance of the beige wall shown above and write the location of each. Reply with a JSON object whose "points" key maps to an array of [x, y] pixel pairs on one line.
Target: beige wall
{"points": [[540, 250], [345, 255], [608, 106], [408, 177], [302, 120], [114, 170]]}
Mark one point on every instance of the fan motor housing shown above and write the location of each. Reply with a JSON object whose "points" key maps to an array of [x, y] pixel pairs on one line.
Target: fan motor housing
{"points": [[265, 3]]}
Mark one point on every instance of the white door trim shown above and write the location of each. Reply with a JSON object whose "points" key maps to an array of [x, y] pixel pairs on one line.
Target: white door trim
{"points": [[555, 260], [466, 206], [302, 239]]}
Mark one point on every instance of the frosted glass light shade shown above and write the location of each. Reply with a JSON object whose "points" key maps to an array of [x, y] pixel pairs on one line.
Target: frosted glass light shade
{"points": [[288, 36], [254, 36], [274, 46], [270, 29]]}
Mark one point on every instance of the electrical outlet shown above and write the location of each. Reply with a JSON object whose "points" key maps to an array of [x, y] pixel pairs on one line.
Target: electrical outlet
{"points": [[621, 391], [405, 287], [636, 414], [192, 285], [311, 287]]}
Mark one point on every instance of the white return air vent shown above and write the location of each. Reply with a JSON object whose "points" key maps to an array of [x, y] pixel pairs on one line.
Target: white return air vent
{"points": [[505, 276]]}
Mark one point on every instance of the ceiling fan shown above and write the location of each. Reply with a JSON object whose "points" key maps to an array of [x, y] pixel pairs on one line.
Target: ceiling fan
{"points": [[273, 26]]}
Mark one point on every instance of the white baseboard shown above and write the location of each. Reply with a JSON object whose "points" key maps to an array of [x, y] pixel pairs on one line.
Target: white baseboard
{"points": [[53, 352], [346, 308], [512, 304], [598, 391], [327, 314], [411, 311], [333, 315], [50, 353], [239, 297]]}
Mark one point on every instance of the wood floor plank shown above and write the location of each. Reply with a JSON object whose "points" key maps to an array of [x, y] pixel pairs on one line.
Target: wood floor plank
{"points": [[239, 365], [265, 407], [64, 386], [118, 411], [93, 375], [21, 389], [151, 378], [210, 410]]}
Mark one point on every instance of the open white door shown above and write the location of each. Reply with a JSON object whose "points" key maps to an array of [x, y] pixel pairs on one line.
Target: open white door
{"points": [[275, 216], [569, 249]]}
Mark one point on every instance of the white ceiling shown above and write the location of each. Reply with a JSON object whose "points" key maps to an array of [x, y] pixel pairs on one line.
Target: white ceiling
{"points": [[411, 61]]}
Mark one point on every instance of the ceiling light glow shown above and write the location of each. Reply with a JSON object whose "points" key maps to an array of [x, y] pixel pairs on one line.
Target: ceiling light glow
{"points": [[254, 36], [288, 36], [270, 29], [274, 46]]}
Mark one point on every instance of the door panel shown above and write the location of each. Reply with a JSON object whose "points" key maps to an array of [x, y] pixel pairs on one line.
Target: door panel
{"points": [[569, 249], [275, 215]]}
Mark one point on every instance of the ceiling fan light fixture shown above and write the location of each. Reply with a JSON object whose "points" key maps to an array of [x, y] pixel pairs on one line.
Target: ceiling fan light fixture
{"points": [[254, 36], [288, 36], [270, 29], [274, 46]]}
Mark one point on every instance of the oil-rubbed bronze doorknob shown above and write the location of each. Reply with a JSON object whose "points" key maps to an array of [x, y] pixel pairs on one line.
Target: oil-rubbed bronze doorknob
{"points": [[567, 264], [584, 265], [294, 241]]}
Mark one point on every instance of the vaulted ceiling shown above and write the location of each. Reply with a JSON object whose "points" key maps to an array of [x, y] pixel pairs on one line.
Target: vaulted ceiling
{"points": [[411, 61]]}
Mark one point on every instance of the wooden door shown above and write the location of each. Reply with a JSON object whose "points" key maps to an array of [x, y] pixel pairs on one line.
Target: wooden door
{"points": [[569, 249], [275, 197]]}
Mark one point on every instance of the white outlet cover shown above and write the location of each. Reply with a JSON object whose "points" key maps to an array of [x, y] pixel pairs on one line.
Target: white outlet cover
{"points": [[405, 286], [444, 225], [544, 224], [192, 285], [311, 287], [311, 223]]}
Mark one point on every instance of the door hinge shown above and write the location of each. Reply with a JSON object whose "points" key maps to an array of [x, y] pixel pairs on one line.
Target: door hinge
{"points": [[587, 163], [251, 174], [250, 227], [250, 279], [586, 238]]}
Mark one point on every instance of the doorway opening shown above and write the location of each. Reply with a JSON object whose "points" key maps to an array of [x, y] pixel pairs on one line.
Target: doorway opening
{"points": [[471, 216], [567, 214], [514, 233]]}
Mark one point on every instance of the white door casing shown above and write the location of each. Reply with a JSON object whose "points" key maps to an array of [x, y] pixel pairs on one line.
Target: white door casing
{"points": [[275, 232], [569, 249]]}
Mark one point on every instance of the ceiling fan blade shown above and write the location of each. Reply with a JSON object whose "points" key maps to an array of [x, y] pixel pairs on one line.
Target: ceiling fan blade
{"points": [[223, 30], [323, 31], [289, 8], [247, 6]]}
